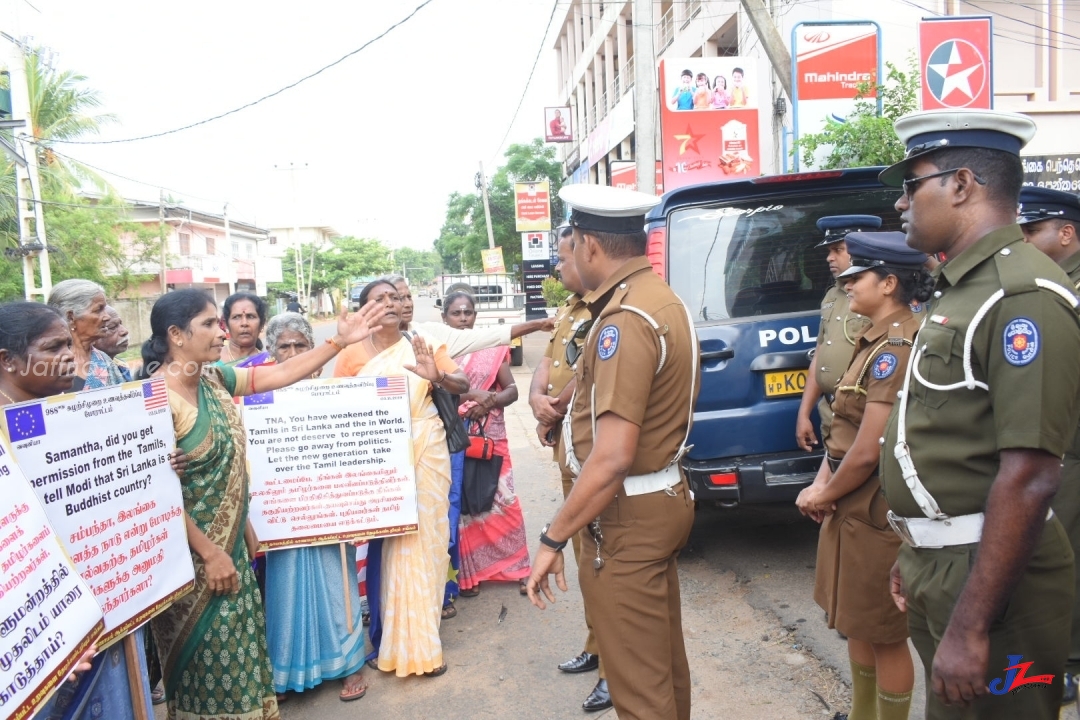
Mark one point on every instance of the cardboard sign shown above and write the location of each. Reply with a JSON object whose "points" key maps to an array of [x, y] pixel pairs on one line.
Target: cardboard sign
{"points": [[331, 460], [48, 615], [98, 462]]}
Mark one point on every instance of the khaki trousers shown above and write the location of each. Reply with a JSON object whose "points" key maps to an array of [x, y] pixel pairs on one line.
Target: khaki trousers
{"points": [[1034, 625], [590, 639], [634, 603]]}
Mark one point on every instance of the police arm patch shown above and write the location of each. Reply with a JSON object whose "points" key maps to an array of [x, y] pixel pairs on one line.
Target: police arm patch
{"points": [[1021, 341], [608, 342], [884, 366]]}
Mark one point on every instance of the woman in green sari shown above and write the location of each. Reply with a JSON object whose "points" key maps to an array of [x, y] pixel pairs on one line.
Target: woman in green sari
{"points": [[212, 641]]}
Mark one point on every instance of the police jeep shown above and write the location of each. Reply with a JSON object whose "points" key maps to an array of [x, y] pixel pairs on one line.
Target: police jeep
{"points": [[741, 255]]}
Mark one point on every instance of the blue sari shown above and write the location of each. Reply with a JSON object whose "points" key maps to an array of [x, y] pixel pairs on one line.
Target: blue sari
{"points": [[101, 693]]}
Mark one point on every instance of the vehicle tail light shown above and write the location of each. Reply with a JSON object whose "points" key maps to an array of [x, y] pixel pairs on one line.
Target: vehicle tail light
{"points": [[656, 250], [728, 478], [822, 175]]}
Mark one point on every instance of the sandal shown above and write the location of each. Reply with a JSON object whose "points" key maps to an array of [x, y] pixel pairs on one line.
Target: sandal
{"points": [[157, 695], [441, 670], [471, 592], [373, 663], [523, 587], [358, 691], [282, 697], [449, 612]]}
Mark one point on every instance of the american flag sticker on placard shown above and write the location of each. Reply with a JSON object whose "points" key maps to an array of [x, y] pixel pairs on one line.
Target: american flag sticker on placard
{"points": [[389, 386], [154, 394]]}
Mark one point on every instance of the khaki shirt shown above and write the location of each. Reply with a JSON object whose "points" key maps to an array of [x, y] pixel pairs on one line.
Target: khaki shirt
{"points": [[876, 374], [836, 338], [1071, 266], [618, 366], [1026, 349], [568, 321]]}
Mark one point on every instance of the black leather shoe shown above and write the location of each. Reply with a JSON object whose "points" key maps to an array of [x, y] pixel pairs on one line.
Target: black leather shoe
{"points": [[599, 699], [585, 662], [1070, 689]]}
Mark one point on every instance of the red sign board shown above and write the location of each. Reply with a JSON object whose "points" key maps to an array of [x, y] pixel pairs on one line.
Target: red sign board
{"points": [[956, 57], [532, 206], [624, 175], [833, 59]]}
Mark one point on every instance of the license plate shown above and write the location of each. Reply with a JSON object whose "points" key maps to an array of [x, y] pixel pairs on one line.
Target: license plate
{"points": [[788, 382]]}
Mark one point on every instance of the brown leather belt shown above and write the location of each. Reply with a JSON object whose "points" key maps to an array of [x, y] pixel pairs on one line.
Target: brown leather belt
{"points": [[834, 463]]}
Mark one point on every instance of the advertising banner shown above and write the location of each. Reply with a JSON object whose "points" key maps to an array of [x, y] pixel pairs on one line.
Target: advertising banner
{"points": [[532, 206], [708, 120], [956, 55], [534, 246], [1057, 172], [492, 259], [558, 126], [624, 175], [332, 460], [48, 615], [828, 64], [98, 461], [535, 272]]}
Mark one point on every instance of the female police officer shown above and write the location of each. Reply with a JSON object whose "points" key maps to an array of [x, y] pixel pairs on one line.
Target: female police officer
{"points": [[856, 547]]}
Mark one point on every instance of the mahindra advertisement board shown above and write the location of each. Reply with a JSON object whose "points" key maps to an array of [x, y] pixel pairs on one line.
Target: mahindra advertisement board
{"points": [[829, 63], [708, 120]]}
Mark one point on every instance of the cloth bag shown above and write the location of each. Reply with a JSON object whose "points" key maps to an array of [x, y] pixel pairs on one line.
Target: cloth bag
{"points": [[479, 484]]}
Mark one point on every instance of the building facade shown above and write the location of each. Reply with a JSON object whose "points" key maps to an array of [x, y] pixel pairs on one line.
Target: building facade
{"points": [[1034, 43]]}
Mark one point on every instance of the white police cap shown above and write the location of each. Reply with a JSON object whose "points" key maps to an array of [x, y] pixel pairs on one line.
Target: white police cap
{"points": [[607, 209], [932, 130]]}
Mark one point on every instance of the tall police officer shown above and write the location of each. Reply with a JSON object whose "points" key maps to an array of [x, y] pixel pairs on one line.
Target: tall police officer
{"points": [[637, 380], [971, 455], [549, 396], [837, 331], [1050, 220]]}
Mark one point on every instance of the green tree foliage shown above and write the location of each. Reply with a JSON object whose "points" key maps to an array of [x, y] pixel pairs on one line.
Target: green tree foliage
{"points": [[419, 266], [335, 264], [866, 138], [464, 232]]}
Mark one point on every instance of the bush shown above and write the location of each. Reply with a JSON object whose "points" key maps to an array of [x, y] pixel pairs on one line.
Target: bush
{"points": [[553, 291]]}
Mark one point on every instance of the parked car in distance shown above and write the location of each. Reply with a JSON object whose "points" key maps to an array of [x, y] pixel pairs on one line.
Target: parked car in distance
{"points": [[741, 255]]}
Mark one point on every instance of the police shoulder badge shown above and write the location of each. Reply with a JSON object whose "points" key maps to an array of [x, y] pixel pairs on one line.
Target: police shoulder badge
{"points": [[608, 342], [884, 366], [1021, 341], [916, 306]]}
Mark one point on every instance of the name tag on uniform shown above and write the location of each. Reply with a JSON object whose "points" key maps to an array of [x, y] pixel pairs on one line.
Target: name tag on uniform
{"points": [[939, 319]]}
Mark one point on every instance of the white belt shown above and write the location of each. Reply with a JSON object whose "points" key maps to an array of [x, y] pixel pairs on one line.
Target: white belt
{"points": [[938, 533], [653, 482]]}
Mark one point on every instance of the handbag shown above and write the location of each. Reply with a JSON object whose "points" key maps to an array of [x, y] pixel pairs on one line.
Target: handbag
{"points": [[446, 403], [479, 483], [481, 447]]}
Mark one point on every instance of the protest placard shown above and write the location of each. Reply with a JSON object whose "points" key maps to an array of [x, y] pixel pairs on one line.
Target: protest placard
{"points": [[99, 463], [331, 460], [48, 615]]}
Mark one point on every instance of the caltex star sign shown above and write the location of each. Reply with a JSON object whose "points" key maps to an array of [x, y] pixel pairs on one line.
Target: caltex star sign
{"points": [[955, 73]]}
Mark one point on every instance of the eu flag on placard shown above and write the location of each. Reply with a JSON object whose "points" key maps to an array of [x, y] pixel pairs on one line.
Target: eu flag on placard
{"points": [[25, 422], [266, 398]]}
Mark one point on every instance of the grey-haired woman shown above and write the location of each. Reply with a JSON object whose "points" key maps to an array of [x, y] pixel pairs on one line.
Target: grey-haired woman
{"points": [[82, 305]]}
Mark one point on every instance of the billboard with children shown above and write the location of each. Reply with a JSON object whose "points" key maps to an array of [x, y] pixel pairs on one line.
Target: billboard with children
{"points": [[708, 120]]}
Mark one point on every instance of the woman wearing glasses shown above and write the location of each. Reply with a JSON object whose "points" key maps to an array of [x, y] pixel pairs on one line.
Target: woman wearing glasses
{"points": [[856, 546], [492, 544]]}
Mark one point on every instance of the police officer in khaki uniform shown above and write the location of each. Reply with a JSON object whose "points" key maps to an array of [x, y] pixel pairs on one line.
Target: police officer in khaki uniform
{"points": [[971, 455], [838, 329], [549, 396], [637, 380], [1050, 220]]}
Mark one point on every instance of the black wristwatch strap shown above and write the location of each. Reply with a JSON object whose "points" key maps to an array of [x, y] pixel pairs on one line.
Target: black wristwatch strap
{"points": [[553, 544]]}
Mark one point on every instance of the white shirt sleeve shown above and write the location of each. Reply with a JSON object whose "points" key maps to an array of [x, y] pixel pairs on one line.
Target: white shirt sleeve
{"points": [[463, 342]]}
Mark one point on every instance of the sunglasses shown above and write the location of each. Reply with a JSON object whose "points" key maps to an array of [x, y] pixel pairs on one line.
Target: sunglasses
{"points": [[577, 344], [912, 184]]}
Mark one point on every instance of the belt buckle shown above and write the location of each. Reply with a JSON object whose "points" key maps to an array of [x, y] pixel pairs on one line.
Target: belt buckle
{"points": [[900, 527]]}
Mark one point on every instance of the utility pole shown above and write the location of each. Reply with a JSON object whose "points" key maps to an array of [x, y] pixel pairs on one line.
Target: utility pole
{"points": [[777, 52], [645, 97], [228, 244], [32, 240], [298, 251], [482, 182], [161, 238]]}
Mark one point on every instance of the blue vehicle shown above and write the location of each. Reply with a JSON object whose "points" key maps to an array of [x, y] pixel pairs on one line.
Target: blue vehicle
{"points": [[741, 256]]}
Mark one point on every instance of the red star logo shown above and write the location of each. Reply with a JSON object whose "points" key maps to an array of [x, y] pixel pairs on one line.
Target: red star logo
{"points": [[688, 140], [955, 73]]}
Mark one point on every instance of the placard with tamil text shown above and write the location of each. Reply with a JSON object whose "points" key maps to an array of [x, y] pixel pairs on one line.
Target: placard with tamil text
{"points": [[98, 461], [331, 460]]}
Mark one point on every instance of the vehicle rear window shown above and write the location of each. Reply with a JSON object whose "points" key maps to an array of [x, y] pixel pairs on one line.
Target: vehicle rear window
{"points": [[742, 259]]}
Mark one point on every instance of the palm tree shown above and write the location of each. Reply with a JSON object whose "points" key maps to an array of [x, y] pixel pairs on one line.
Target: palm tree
{"points": [[60, 108]]}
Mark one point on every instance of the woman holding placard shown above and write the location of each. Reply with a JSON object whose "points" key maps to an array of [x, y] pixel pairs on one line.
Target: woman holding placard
{"points": [[308, 631], [212, 641], [411, 569]]}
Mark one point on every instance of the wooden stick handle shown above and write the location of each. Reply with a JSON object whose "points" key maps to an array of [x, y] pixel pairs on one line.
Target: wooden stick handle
{"points": [[345, 586], [135, 681]]}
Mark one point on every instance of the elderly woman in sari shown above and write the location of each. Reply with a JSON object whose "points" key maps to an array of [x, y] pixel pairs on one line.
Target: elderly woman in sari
{"points": [[244, 314], [37, 360], [406, 610], [306, 626], [82, 305], [212, 641]]}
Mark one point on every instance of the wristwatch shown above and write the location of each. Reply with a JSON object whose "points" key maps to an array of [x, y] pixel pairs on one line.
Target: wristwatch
{"points": [[553, 544]]}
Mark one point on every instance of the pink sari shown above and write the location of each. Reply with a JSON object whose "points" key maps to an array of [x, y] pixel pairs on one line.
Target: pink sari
{"points": [[493, 545]]}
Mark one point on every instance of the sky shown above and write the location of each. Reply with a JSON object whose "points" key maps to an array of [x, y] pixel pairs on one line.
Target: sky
{"points": [[372, 147]]}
